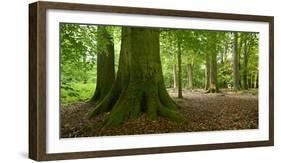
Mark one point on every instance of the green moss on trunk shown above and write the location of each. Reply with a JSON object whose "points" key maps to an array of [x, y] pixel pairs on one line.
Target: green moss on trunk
{"points": [[105, 64], [139, 86]]}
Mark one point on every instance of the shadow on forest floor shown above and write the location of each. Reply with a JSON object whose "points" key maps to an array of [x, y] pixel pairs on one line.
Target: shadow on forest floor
{"points": [[203, 112]]}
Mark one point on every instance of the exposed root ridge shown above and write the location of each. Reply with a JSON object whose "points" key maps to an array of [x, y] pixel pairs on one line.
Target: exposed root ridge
{"points": [[133, 101]]}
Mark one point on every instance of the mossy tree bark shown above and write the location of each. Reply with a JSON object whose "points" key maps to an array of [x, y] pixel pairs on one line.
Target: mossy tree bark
{"points": [[105, 64], [139, 86]]}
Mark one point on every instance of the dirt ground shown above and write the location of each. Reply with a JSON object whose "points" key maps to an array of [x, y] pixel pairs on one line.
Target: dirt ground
{"points": [[202, 112]]}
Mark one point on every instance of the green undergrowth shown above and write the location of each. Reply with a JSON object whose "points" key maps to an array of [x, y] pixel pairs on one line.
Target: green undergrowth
{"points": [[74, 92]]}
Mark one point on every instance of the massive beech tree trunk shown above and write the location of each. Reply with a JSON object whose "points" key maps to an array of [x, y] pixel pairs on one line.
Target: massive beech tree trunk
{"points": [[139, 86], [189, 69], [179, 69], [207, 72], [105, 64], [235, 67], [213, 73]]}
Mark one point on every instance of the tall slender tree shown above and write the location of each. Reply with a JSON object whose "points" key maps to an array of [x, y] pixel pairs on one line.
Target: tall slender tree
{"points": [[175, 76], [235, 60], [207, 72], [213, 41], [179, 51], [245, 61], [250, 44], [190, 75], [213, 73]]}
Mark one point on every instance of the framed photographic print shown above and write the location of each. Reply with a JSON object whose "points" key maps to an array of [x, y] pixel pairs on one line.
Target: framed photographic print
{"points": [[111, 81]]}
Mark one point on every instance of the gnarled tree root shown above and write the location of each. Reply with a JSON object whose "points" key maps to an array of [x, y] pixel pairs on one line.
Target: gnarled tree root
{"points": [[135, 100]]}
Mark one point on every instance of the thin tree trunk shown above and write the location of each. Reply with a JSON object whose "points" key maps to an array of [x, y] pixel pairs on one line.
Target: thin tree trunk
{"points": [[175, 78], [179, 70], [240, 41], [189, 69], [223, 59], [245, 66], [251, 83], [235, 60], [224, 54], [213, 73], [207, 72], [256, 80]]}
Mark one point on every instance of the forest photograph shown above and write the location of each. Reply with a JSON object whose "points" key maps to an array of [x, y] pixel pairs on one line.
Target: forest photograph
{"points": [[126, 80]]}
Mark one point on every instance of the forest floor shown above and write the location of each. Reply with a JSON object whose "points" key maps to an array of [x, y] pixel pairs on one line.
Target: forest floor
{"points": [[202, 112]]}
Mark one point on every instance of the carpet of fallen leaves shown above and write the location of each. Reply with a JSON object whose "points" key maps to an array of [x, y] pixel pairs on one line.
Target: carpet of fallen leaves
{"points": [[202, 112]]}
